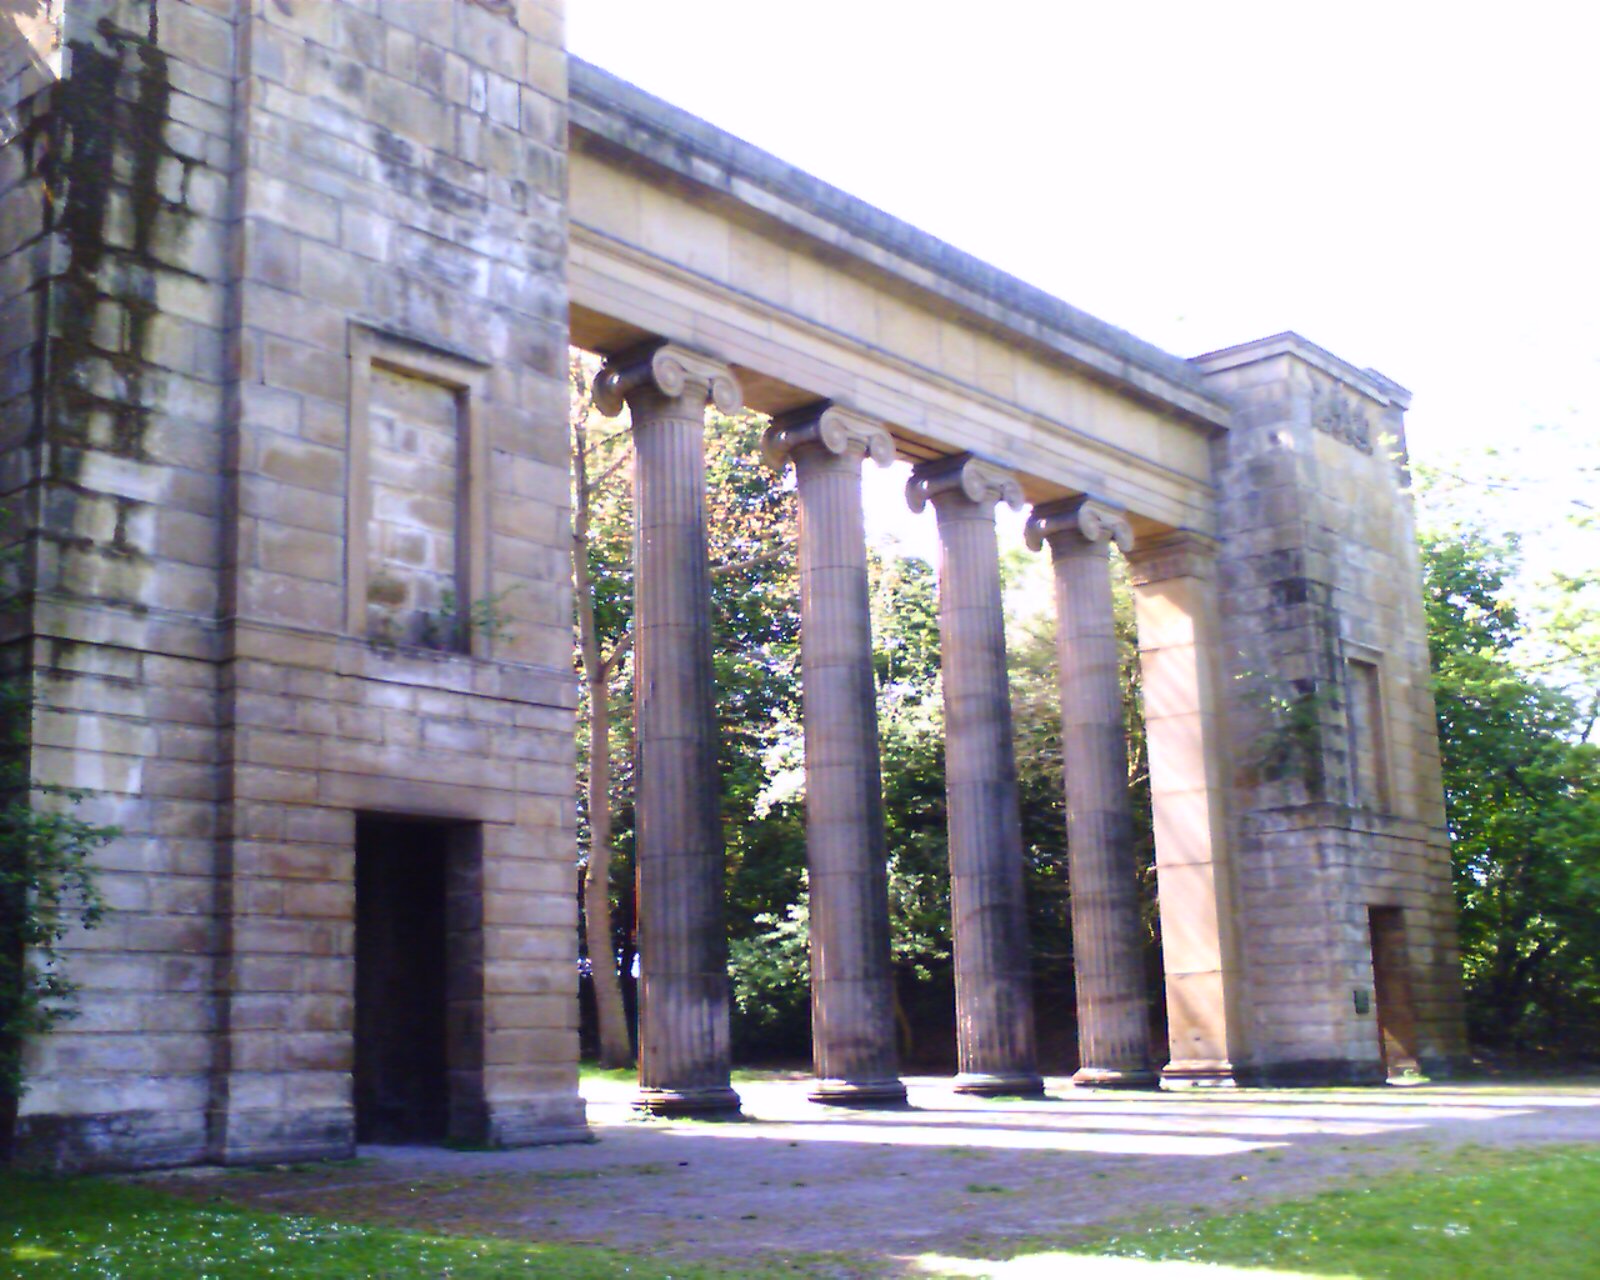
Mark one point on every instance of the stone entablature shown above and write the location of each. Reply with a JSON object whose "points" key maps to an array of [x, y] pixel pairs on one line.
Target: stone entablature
{"points": [[809, 294], [621, 116]]}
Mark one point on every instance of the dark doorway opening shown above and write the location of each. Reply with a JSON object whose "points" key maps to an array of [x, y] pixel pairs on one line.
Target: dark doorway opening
{"points": [[1391, 984], [417, 945]]}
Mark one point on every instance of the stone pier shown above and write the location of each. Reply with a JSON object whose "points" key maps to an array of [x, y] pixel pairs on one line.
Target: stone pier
{"points": [[683, 948], [852, 996], [995, 1042], [1113, 1016], [1179, 655]]}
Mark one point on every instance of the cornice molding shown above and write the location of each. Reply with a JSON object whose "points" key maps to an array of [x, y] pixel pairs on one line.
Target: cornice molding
{"points": [[671, 370], [1368, 382]]}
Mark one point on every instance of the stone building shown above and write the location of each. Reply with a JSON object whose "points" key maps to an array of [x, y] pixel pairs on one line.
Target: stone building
{"points": [[286, 291]]}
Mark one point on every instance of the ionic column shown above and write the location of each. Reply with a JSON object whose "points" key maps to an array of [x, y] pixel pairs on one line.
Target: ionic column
{"points": [[1108, 964], [683, 948], [852, 998], [994, 1003]]}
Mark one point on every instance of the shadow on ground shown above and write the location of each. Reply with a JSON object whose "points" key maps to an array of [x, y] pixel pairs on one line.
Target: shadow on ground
{"points": [[948, 1185]]}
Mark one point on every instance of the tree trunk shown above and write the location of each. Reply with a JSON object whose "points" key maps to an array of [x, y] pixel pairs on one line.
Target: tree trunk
{"points": [[615, 1050], [615, 1047], [902, 1023]]}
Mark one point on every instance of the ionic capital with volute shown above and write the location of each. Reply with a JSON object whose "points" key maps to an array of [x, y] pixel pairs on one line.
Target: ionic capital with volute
{"points": [[837, 430], [980, 482], [669, 369], [1080, 519]]}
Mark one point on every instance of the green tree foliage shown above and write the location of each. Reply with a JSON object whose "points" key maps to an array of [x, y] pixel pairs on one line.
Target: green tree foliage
{"points": [[1523, 803], [755, 628], [47, 891], [755, 587], [752, 539], [1516, 693], [1036, 717]]}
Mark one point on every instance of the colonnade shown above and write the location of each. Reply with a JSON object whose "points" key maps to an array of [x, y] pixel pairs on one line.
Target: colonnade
{"points": [[683, 1005]]}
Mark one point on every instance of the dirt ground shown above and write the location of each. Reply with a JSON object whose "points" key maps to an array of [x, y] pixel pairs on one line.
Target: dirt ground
{"points": [[856, 1192]]}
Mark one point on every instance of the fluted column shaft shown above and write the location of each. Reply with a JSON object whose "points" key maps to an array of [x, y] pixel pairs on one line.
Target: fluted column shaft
{"points": [[995, 1039], [1107, 935], [852, 998], [683, 952]]}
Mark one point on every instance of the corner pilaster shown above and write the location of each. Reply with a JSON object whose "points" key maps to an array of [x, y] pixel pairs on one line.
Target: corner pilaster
{"points": [[1174, 599]]}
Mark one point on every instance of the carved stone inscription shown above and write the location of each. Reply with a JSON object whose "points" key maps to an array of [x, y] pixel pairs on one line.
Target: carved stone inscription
{"points": [[1336, 414]]}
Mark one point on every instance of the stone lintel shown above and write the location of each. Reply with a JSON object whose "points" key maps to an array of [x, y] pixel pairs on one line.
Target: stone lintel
{"points": [[982, 483], [1088, 518], [835, 429], [670, 369], [1181, 554]]}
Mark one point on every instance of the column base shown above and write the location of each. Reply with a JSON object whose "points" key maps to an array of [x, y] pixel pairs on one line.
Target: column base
{"points": [[989, 1084], [1198, 1074], [858, 1093], [1115, 1078], [714, 1100]]}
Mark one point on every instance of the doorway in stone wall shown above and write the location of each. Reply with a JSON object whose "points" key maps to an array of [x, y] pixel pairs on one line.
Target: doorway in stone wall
{"points": [[1391, 983], [418, 948]]}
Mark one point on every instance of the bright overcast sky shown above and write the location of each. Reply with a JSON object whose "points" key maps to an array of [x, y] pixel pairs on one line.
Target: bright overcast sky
{"points": [[1411, 185]]}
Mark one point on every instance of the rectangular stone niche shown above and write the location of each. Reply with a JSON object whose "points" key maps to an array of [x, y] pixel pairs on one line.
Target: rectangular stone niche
{"points": [[1369, 736], [416, 509]]}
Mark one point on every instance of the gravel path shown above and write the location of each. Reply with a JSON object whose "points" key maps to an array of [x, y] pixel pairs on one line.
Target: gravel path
{"points": [[857, 1192]]}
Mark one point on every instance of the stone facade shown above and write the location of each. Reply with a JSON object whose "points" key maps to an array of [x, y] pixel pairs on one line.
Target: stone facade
{"points": [[286, 397], [286, 292]]}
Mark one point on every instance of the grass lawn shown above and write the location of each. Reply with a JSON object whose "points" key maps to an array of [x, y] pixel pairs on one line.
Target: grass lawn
{"points": [[1473, 1214], [53, 1227]]}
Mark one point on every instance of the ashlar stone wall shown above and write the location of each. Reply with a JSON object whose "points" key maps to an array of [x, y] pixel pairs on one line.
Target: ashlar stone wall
{"points": [[295, 257], [1337, 805], [113, 467]]}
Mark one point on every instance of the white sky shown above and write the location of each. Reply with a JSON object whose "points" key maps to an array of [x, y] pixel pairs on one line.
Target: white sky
{"points": [[1411, 185]]}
